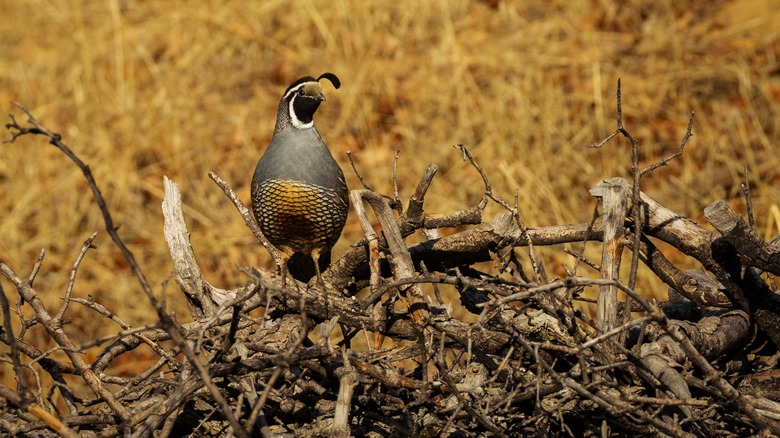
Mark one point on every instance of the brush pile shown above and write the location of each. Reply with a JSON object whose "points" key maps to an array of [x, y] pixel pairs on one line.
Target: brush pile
{"points": [[372, 349]]}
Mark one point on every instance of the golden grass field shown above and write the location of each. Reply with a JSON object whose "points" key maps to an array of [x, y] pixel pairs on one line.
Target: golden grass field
{"points": [[142, 89]]}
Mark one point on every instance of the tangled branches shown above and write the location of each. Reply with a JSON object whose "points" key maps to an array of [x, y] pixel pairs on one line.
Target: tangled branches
{"points": [[377, 352]]}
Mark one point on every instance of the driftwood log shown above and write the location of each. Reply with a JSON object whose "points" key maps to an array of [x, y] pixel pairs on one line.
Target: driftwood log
{"points": [[377, 351]]}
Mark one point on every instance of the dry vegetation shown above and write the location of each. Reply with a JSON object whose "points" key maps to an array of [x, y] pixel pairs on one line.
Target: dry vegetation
{"points": [[145, 89]]}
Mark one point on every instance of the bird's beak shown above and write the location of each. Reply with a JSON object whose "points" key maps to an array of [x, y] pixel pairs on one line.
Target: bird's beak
{"points": [[321, 97]]}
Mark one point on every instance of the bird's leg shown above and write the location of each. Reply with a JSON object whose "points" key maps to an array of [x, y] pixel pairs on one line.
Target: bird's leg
{"points": [[282, 265], [315, 254]]}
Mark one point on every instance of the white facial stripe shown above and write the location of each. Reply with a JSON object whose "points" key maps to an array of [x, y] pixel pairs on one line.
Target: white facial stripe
{"points": [[296, 122], [295, 90]]}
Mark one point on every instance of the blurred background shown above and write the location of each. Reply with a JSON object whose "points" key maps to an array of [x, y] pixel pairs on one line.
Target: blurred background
{"points": [[142, 89]]}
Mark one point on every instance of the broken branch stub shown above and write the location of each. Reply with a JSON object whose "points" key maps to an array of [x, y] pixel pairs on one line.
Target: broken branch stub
{"points": [[203, 299], [613, 194]]}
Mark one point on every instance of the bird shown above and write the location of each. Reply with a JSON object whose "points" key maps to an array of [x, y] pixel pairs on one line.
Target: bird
{"points": [[299, 195]]}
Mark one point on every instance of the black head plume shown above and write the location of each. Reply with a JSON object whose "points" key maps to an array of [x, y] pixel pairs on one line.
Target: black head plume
{"points": [[332, 78]]}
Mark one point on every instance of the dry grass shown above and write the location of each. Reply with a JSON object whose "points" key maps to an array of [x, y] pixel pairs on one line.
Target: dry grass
{"points": [[145, 89]]}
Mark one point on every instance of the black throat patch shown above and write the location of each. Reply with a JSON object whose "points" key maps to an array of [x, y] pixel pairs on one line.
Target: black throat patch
{"points": [[304, 107]]}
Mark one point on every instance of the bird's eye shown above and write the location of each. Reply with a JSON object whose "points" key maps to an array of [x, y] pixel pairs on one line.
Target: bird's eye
{"points": [[301, 92]]}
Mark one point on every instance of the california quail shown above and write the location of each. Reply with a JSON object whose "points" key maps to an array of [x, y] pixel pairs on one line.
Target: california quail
{"points": [[299, 196]]}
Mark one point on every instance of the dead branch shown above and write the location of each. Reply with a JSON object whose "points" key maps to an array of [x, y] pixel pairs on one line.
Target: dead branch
{"points": [[401, 260], [613, 198], [54, 328], [743, 238], [55, 140], [527, 362], [202, 298]]}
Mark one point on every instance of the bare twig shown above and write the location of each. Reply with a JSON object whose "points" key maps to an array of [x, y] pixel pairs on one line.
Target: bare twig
{"points": [[529, 362], [56, 140], [11, 341], [71, 281], [249, 218], [665, 161], [38, 412], [357, 173], [54, 329], [745, 186]]}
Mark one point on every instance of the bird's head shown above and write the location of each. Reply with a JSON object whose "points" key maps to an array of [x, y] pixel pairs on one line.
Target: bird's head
{"points": [[303, 97]]}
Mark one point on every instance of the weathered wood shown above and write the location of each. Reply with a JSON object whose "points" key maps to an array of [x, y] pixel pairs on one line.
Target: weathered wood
{"points": [[750, 247], [401, 260], [613, 194], [520, 365], [743, 284], [203, 299]]}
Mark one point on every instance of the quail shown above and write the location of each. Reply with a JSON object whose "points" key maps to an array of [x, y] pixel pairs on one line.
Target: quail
{"points": [[299, 196]]}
